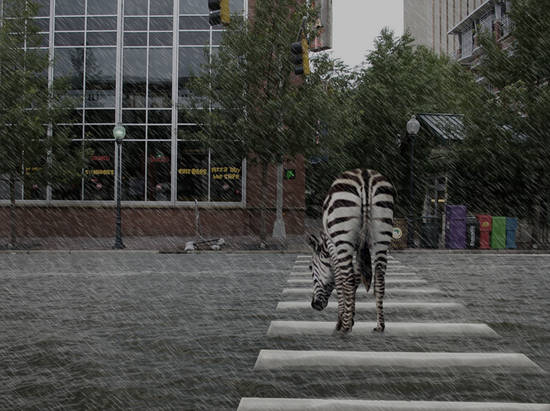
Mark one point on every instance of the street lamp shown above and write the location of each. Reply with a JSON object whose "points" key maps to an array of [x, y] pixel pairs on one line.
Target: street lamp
{"points": [[118, 132], [413, 127]]}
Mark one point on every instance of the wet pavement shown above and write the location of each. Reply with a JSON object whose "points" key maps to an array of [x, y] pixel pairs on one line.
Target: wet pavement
{"points": [[139, 329]]}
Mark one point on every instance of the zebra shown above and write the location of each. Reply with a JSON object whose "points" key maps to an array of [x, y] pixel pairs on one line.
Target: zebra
{"points": [[357, 219]]}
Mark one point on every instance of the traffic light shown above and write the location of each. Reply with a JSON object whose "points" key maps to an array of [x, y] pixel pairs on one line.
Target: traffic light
{"points": [[300, 57], [219, 12]]}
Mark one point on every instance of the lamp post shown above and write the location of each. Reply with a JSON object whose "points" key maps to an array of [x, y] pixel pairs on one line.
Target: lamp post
{"points": [[413, 127], [118, 132]]}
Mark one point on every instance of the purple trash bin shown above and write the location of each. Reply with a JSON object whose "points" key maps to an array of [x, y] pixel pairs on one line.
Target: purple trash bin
{"points": [[455, 226]]}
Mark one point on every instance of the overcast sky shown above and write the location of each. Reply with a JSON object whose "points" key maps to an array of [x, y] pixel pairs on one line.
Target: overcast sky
{"points": [[356, 23]]}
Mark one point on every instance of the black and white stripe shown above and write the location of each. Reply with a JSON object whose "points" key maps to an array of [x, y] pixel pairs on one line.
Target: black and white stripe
{"points": [[357, 220]]}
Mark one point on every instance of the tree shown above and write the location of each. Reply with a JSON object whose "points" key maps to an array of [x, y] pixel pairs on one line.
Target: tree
{"points": [[29, 107], [399, 80], [518, 76], [246, 99]]}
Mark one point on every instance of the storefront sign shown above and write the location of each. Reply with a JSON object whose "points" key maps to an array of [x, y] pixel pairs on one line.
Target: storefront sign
{"points": [[192, 171], [226, 173], [100, 172]]}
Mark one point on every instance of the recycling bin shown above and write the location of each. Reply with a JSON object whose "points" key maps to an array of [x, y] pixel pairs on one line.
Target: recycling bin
{"points": [[399, 234], [429, 233], [485, 227], [511, 228], [498, 233], [472, 232], [455, 226]]}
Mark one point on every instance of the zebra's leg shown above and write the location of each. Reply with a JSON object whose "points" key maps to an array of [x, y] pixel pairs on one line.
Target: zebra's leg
{"points": [[346, 282], [379, 290]]}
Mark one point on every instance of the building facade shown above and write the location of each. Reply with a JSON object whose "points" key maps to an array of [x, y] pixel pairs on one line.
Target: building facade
{"points": [[492, 17], [130, 61], [429, 22]]}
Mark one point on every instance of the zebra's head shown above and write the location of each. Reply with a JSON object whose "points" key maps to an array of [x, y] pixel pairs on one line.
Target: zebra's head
{"points": [[323, 277]]}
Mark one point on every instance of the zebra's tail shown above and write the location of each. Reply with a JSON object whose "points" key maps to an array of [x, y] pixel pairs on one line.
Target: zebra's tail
{"points": [[364, 263]]}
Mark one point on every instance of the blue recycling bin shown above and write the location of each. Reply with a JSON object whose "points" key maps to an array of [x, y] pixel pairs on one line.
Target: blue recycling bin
{"points": [[511, 228]]}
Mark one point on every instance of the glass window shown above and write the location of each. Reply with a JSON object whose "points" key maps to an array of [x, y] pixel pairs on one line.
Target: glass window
{"points": [[236, 6], [98, 132], [194, 22], [101, 23], [69, 39], [34, 189], [5, 187], [101, 7], [134, 77], [162, 7], [160, 116], [193, 7], [160, 78], [135, 23], [159, 132], [158, 171], [71, 132], [100, 116], [43, 7], [133, 116], [161, 23], [135, 133], [193, 38], [225, 178], [135, 39], [99, 175], [160, 39], [69, 24], [133, 171], [71, 189], [42, 24], [69, 7], [69, 64], [100, 77], [107, 38], [217, 37], [192, 171], [135, 7]]}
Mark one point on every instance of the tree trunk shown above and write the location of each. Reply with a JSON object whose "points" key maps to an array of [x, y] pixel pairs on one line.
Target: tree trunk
{"points": [[13, 227], [263, 206]]}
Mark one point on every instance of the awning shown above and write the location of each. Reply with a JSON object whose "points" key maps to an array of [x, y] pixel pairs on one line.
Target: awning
{"points": [[446, 126]]}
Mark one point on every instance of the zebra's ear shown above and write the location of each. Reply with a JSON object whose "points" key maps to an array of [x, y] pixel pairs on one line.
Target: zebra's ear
{"points": [[313, 242]]}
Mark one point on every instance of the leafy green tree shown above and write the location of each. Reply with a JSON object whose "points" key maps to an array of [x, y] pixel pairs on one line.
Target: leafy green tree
{"points": [[516, 133], [28, 107], [399, 80], [246, 99]]}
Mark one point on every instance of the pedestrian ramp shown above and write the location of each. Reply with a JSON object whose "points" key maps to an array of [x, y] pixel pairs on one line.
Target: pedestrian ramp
{"points": [[402, 281]]}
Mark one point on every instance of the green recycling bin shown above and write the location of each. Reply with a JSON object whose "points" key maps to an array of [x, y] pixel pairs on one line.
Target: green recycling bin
{"points": [[498, 234]]}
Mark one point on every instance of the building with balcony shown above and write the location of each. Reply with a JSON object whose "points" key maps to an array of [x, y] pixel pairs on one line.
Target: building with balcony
{"points": [[490, 17], [130, 61], [429, 22]]}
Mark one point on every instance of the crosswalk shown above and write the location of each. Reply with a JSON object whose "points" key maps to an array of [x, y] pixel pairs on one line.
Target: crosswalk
{"points": [[408, 293]]}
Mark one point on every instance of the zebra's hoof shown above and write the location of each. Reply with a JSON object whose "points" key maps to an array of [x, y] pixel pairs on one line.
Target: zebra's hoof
{"points": [[379, 329]]}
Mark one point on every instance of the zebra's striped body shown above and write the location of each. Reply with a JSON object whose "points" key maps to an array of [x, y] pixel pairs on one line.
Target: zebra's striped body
{"points": [[357, 220]]}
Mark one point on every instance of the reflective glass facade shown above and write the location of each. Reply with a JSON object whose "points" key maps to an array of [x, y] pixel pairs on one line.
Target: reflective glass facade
{"points": [[130, 61]]}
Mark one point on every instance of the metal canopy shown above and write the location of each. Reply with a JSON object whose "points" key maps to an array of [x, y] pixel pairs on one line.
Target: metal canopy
{"points": [[447, 126]]}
